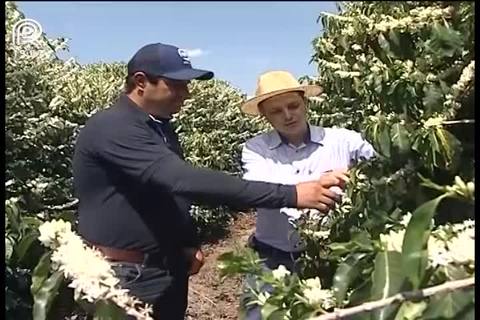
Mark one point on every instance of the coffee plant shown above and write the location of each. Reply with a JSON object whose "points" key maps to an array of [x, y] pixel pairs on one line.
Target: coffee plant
{"points": [[48, 100], [402, 74]]}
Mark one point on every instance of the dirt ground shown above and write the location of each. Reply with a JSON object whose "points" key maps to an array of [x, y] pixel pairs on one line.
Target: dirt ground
{"points": [[209, 298]]}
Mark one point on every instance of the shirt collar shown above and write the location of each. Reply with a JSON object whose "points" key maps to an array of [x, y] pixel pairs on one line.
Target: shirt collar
{"points": [[316, 135], [126, 102]]}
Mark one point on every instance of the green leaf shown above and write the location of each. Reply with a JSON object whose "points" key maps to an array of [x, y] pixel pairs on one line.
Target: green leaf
{"points": [[400, 137], [454, 272], [341, 248], [22, 247], [414, 246], [346, 273], [108, 311], [32, 222], [68, 216], [384, 44], [267, 310], [445, 41], [384, 141], [433, 100], [13, 216], [45, 296], [411, 310], [8, 248], [362, 293], [387, 280], [448, 305], [40, 273]]}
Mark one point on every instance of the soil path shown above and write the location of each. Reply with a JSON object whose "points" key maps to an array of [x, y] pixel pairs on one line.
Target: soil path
{"points": [[209, 298]]}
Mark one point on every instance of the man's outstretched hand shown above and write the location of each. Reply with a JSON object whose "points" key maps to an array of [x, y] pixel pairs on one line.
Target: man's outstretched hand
{"points": [[317, 194]]}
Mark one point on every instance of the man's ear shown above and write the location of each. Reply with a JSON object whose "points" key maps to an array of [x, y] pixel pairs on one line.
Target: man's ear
{"points": [[140, 80]]}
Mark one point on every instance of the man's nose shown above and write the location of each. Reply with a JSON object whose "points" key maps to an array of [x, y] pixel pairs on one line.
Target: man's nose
{"points": [[287, 114]]}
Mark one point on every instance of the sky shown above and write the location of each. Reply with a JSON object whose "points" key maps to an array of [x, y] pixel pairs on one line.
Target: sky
{"points": [[236, 40]]}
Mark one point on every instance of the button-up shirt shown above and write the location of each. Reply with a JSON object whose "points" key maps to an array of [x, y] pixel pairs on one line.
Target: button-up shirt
{"points": [[268, 157]]}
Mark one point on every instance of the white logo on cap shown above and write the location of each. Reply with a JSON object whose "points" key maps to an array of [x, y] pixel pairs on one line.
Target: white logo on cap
{"points": [[184, 54]]}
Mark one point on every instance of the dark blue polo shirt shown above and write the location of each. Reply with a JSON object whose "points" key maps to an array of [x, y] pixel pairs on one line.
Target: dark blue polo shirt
{"points": [[135, 190]]}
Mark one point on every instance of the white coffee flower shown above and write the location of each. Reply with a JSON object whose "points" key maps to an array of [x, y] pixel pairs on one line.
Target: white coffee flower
{"points": [[312, 283], [466, 77], [280, 272], [321, 234], [92, 277], [393, 241], [406, 219], [263, 297], [462, 247], [356, 47], [50, 231], [315, 295]]}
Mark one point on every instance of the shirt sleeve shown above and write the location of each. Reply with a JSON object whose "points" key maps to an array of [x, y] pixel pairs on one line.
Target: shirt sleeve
{"points": [[137, 153], [359, 148]]}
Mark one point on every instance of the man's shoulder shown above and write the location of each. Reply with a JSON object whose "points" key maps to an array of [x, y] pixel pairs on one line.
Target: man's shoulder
{"points": [[109, 119], [260, 142], [107, 122], [338, 133]]}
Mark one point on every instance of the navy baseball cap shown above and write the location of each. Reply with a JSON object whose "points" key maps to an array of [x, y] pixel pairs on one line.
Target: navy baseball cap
{"points": [[163, 60]]}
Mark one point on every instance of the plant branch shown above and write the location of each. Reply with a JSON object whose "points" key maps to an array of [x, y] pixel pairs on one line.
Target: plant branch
{"points": [[65, 206], [398, 298], [459, 121]]}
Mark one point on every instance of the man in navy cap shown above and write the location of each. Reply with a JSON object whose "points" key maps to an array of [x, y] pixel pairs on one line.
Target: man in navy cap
{"points": [[135, 190]]}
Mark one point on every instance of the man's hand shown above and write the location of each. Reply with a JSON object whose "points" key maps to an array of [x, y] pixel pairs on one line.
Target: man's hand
{"points": [[317, 194], [196, 258]]}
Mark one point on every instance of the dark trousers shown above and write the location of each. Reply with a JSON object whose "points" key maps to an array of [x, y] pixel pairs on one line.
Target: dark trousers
{"points": [[165, 287]]}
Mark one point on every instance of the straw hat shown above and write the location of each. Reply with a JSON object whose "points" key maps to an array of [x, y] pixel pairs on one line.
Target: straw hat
{"points": [[274, 83]]}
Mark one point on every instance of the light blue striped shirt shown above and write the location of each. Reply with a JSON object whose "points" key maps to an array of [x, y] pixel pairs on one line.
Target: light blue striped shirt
{"points": [[267, 158]]}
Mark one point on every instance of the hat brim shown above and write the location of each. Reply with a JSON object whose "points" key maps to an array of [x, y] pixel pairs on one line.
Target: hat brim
{"points": [[189, 74], [251, 105]]}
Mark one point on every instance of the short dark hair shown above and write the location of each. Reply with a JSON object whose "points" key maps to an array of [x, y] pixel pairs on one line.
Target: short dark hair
{"points": [[130, 82]]}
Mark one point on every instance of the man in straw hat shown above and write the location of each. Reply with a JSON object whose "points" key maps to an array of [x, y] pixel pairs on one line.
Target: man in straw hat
{"points": [[294, 151], [135, 189]]}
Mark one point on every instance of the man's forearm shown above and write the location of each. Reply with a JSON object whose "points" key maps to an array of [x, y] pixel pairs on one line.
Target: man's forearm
{"points": [[217, 188]]}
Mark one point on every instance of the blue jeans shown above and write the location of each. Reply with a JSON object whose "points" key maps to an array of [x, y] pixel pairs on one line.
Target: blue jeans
{"points": [[273, 260], [165, 288]]}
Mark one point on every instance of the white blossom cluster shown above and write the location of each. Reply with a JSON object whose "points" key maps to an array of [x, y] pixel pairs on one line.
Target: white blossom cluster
{"points": [[315, 295], [467, 76], [321, 235], [280, 273], [92, 277], [442, 251], [417, 19]]}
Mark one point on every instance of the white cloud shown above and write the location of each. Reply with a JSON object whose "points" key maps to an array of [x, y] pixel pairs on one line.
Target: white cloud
{"points": [[193, 53]]}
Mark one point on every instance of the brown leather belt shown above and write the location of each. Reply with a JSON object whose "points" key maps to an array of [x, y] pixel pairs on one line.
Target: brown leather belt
{"points": [[115, 254]]}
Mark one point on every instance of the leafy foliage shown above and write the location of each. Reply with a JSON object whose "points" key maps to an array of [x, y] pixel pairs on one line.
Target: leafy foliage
{"points": [[48, 100], [402, 74]]}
